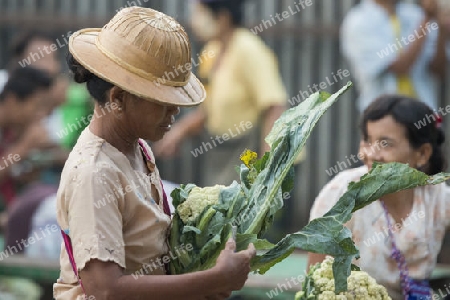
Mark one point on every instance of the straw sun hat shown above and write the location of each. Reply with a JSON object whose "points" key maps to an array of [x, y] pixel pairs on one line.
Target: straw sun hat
{"points": [[144, 52]]}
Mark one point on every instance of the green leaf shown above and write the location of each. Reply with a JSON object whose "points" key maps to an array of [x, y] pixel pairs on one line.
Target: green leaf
{"points": [[328, 235], [188, 228], [252, 205], [204, 221], [288, 182], [243, 240], [260, 164], [287, 139], [179, 195], [211, 251]]}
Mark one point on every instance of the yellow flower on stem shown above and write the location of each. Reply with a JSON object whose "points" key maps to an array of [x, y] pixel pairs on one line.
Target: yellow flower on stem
{"points": [[248, 157]]}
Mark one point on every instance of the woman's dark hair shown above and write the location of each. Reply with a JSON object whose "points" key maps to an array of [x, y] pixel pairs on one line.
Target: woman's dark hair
{"points": [[21, 43], [96, 86], [421, 123], [24, 82], [233, 7]]}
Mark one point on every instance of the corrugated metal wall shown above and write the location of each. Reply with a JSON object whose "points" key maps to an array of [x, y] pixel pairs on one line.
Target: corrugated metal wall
{"points": [[306, 43]]}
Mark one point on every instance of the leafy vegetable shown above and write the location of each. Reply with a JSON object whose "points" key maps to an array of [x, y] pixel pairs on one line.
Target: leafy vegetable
{"points": [[251, 204]]}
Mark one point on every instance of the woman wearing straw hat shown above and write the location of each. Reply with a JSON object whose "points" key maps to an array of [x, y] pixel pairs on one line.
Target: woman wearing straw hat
{"points": [[111, 205]]}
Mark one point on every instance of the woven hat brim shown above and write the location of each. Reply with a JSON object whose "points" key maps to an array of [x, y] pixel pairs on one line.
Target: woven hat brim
{"points": [[83, 48]]}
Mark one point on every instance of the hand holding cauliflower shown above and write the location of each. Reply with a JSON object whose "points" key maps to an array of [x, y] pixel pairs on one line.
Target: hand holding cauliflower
{"points": [[319, 285]]}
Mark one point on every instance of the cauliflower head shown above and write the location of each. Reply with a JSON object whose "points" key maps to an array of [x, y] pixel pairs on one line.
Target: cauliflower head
{"points": [[197, 201], [360, 285]]}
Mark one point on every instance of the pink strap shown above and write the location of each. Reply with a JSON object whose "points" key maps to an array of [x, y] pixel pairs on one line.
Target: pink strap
{"points": [[69, 249], [149, 158]]}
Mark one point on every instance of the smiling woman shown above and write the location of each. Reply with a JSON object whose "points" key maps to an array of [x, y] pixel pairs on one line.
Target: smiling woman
{"points": [[104, 245], [403, 259]]}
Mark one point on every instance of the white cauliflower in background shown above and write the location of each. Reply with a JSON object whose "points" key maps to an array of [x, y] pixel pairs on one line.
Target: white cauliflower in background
{"points": [[360, 285], [198, 199]]}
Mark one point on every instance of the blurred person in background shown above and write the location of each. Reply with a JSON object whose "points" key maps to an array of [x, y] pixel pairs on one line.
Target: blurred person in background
{"points": [[21, 108], [64, 105], [243, 86], [68, 103], [38, 172], [27, 49], [411, 223], [395, 47]]}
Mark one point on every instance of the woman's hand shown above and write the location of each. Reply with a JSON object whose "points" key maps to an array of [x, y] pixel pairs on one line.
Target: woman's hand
{"points": [[233, 267]]}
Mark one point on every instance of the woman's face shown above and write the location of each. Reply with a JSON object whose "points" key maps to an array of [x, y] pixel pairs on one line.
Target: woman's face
{"points": [[149, 120], [204, 24], [387, 142], [26, 111]]}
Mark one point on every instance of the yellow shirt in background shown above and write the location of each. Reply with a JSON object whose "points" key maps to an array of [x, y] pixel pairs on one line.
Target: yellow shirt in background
{"points": [[243, 86], [404, 82]]}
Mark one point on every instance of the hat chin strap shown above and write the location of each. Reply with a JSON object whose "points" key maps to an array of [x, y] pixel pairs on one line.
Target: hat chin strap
{"points": [[139, 72]]}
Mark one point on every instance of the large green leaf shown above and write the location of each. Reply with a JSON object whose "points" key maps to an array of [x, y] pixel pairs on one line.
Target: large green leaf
{"points": [[252, 204], [287, 139], [328, 235]]}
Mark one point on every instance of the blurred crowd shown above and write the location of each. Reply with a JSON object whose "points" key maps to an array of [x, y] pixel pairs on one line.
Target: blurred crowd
{"points": [[37, 104]]}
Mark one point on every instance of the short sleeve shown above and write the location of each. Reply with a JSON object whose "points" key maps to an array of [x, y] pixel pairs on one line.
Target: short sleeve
{"points": [[91, 200], [261, 73]]}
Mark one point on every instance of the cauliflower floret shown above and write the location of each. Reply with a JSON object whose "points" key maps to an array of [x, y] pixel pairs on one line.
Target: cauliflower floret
{"points": [[360, 285], [198, 199], [321, 284], [327, 295]]}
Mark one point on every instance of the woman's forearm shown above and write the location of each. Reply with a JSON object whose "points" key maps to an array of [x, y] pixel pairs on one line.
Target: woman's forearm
{"points": [[196, 286], [406, 59], [105, 281]]}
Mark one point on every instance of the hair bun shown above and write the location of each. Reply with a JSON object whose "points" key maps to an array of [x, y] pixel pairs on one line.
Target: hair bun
{"points": [[82, 75]]}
